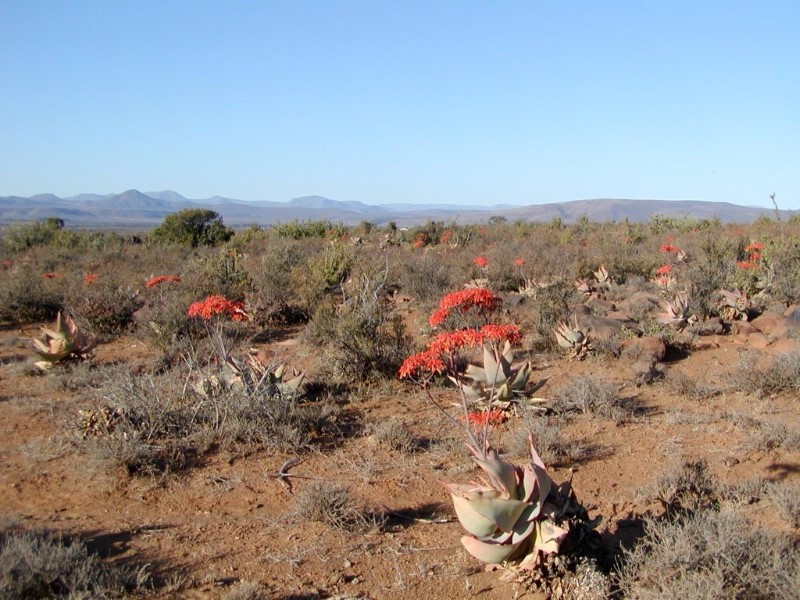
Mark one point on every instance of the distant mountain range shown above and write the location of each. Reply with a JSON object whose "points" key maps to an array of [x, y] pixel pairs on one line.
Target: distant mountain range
{"points": [[134, 209]]}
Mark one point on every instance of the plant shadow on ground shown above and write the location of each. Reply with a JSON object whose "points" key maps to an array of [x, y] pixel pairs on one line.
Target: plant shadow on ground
{"points": [[404, 518], [280, 333], [781, 471]]}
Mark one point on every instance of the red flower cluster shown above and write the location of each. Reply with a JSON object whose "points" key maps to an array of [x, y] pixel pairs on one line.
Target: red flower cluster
{"points": [[663, 269], [89, 278], [218, 305], [450, 342], [746, 265], [51, 275], [754, 247], [154, 281], [419, 242], [446, 236], [666, 248], [481, 419], [518, 262], [481, 262], [463, 300]]}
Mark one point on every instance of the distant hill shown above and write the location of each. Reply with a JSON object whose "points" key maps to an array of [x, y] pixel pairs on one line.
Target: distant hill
{"points": [[133, 208]]}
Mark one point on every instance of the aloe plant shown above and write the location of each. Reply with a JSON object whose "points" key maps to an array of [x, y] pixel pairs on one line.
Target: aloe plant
{"points": [[603, 278], [677, 312], [497, 382], [253, 373], [511, 515], [733, 305], [62, 342], [572, 338]]}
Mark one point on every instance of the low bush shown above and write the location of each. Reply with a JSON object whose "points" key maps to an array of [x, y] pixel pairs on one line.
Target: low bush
{"points": [[166, 423], [710, 554], [43, 565]]}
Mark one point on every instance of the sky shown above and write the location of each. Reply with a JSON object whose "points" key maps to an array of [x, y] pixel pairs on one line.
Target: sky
{"points": [[461, 102]]}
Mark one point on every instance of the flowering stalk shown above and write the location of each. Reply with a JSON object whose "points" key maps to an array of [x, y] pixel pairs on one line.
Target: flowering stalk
{"points": [[214, 310], [510, 517]]}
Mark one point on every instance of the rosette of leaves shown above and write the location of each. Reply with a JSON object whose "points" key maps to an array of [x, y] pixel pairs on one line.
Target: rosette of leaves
{"points": [[603, 278], [572, 338], [733, 305], [62, 342], [497, 382], [677, 312], [511, 514], [254, 374]]}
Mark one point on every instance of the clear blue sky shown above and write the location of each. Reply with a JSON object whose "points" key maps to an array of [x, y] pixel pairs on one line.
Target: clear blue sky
{"points": [[403, 101]]}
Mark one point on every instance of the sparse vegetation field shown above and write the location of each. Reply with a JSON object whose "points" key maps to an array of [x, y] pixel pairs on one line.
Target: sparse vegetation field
{"points": [[321, 411]]}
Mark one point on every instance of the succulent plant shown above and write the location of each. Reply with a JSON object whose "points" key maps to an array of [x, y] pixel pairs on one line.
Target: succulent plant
{"points": [[253, 373], [479, 282], [733, 305], [511, 514], [571, 337], [63, 342], [603, 278], [496, 383], [665, 282], [677, 312]]}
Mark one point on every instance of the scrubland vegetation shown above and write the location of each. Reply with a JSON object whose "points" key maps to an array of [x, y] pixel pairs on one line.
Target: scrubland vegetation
{"points": [[655, 367]]}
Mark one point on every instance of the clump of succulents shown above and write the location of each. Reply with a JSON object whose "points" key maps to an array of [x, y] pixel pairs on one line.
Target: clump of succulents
{"points": [[677, 312], [63, 342], [734, 305], [252, 373], [570, 337], [511, 514]]}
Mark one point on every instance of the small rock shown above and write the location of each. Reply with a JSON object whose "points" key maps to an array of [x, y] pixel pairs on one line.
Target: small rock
{"points": [[758, 340], [771, 324], [649, 348], [347, 564], [730, 461], [783, 346]]}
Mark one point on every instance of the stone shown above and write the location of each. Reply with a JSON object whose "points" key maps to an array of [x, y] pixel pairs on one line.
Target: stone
{"points": [[650, 348], [771, 324]]}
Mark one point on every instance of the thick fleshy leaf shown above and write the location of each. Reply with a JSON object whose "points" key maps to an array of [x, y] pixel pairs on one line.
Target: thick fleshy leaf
{"points": [[483, 517], [488, 552], [507, 354], [475, 373], [502, 474], [521, 378], [493, 367]]}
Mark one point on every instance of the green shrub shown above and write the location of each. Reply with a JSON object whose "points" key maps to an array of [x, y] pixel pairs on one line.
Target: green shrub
{"points": [[361, 337], [192, 227], [21, 236]]}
